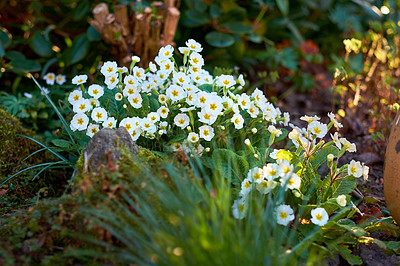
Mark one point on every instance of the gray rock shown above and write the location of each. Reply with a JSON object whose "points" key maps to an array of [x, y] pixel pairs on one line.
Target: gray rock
{"points": [[106, 145]]}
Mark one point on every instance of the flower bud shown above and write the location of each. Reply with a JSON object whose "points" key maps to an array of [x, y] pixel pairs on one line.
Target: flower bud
{"points": [[189, 128], [247, 142], [254, 130], [296, 194], [207, 149], [330, 158], [135, 58], [125, 106], [256, 155], [222, 127]]}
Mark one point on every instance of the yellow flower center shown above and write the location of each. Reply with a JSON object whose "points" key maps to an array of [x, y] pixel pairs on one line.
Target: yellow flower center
{"points": [[82, 106], [99, 115], [128, 126], [247, 185], [109, 69], [318, 217], [94, 130], [195, 61], [76, 97], [202, 99], [207, 116], [226, 82], [213, 106], [80, 80], [135, 100], [181, 121], [166, 53], [175, 93], [237, 121], [80, 121], [167, 67], [95, 91], [112, 80], [286, 169], [181, 80], [283, 215], [109, 124], [193, 46], [317, 130], [194, 138], [241, 208], [257, 176]]}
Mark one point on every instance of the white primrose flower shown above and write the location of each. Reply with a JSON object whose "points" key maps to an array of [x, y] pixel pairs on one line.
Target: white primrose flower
{"points": [[28, 95], [152, 67], [184, 50], [286, 119], [74, 96], [135, 59], [127, 91], [154, 117], [135, 100], [284, 214], [266, 186], [355, 169], [269, 113], [309, 119], [255, 174], [162, 75], [341, 200], [241, 80], [206, 117], [162, 98], [225, 81], [253, 110], [246, 187], [285, 170], [163, 126], [318, 129], [166, 52], [110, 122], [181, 120], [109, 68], [350, 147], [319, 216], [94, 103], [294, 182], [195, 59], [163, 112], [175, 93], [127, 123], [99, 114], [79, 122], [81, 106], [237, 120], [135, 133], [45, 91], [213, 105], [181, 78], [92, 129], [244, 101], [111, 81], [334, 121], [122, 70], [206, 132], [259, 97], [194, 46], [274, 153], [118, 96], [193, 137], [365, 171], [335, 138], [96, 91], [60, 79], [147, 86], [50, 78], [138, 73], [130, 81], [270, 171], [148, 126], [195, 73], [79, 79], [176, 146], [273, 130], [239, 208]]}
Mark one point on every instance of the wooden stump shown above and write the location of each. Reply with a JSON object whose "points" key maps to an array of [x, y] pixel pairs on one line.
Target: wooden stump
{"points": [[141, 34]]}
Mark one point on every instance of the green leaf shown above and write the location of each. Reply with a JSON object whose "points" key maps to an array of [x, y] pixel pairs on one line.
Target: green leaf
{"points": [[47, 65], [93, 34], [238, 27], [345, 252], [78, 51], [219, 39], [62, 143], [81, 10], [2, 51], [195, 18], [206, 87], [4, 38], [230, 164], [283, 6], [351, 226], [320, 156], [24, 66], [289, 59], [40, 45], [14, 55], [344, 186]]}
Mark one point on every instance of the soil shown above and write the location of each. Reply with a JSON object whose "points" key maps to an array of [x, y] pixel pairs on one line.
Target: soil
{"points": [[356, 124]]}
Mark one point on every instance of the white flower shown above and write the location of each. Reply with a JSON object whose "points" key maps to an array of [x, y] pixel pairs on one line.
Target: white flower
{"points": [[111, 81], [135, 100], [79, 79], [245, 187], [74, 96], [147, 86], [318, 129], [60, 79], [50, 78], [206, 117], [333, 119], [319, 216], [110, 122], [355, 169], [28, 95], [45, 91], [206, 132], [365, 171], [118, 96], [92, 129], [255, 174], [128, 90], [135, 58], [213, 105], [128, 123], [163, 112], [194, 46], [176, 146], [162, 98], [239, 208], [253, 110], [237, 120], [181, 78], [285, 170], [165, 52], [196, 59], [79, 122], [226, 81], [335, 138], [94, 103], [350, 147], [138, 73], [244, 101], [309, 119], [193, 137], [96, 91], [341, 200], [259, 97], [99, 114], [269, 113], [286, 119], [163, 127], [284, 214], [241, 80], [135, 133], [148, 126], [81, 106], [265, 186], [270, 171], [109, 68], [184, 50], [294, 134], [273, 130], [294, 182], [181, 120], [175, 93], [122, 70], [152, 67], [154, 117], [130, 81]]}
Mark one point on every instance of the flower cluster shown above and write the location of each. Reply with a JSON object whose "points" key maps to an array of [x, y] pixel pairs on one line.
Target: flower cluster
{"points": [[188, 100]]}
